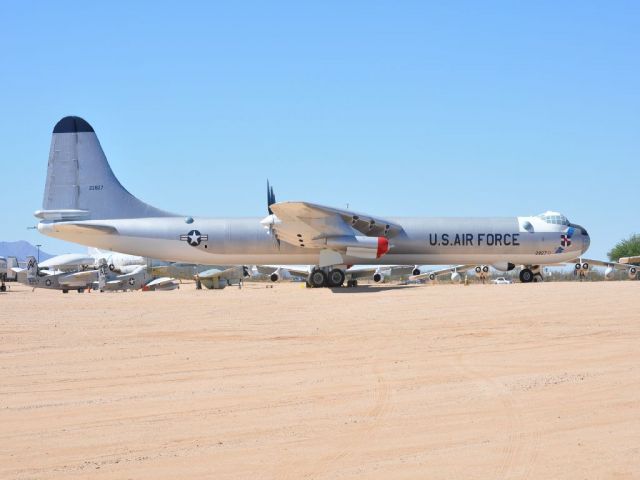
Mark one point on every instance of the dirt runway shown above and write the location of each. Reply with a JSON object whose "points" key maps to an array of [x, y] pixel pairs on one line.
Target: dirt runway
{"points": [[533, 381]]}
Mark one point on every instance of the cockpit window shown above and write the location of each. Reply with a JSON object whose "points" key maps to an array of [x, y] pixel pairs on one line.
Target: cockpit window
{"points": [[554, 218]]}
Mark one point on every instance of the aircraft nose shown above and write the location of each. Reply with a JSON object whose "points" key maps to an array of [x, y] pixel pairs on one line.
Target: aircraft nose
{"points": [[586, 241]]}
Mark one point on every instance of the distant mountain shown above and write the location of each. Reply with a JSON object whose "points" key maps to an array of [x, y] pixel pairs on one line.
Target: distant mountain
{"points": [[21, 249]]}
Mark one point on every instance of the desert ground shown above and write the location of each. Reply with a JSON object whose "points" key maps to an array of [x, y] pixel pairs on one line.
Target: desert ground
{"points": [[382, 382]]}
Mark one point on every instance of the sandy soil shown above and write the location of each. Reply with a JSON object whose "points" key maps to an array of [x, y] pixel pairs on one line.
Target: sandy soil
{"points": [[441, 382]]}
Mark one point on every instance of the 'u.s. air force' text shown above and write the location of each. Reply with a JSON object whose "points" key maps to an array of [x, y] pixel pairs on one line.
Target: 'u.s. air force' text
{"points": [[474, 239]]}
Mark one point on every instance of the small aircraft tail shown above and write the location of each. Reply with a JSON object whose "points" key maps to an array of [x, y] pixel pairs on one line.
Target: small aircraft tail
{"points": [[32, 268], [80, 183], [103, 269]]}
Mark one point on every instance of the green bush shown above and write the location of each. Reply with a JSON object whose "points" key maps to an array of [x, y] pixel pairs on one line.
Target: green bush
{"points": [[629, 247]]}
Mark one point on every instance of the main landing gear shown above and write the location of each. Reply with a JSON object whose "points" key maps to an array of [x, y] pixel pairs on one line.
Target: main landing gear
{"points": [[531, 274], [321, 278]]}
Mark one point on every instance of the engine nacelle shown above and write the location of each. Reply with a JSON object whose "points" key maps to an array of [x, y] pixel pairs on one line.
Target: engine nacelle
{"points": [[504, 266], [360, 246], [274, 277], [633, 273], [455, 277], [582, 267], [608, 273], [378, 277], [482, 270], [415, 271]]}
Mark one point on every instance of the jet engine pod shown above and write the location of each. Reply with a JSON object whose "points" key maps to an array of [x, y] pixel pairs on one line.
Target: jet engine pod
{"points": [[274, 277], [378, 277], [455, 277], [633, 273], [503, 266], [608, 273], [416, 271], [360, 246]]}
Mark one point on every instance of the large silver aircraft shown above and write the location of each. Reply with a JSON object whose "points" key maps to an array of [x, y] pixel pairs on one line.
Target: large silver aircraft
{"points": [[85, 203]]}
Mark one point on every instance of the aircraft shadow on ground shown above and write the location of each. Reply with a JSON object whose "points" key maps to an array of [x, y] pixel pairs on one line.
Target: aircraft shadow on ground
{"points": [[370, 288]]}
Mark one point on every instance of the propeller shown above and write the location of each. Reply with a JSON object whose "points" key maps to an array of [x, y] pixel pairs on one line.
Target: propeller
{"points": [[271, 199]]}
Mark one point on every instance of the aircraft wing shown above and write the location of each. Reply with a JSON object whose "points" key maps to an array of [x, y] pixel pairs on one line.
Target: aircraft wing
{"points": [[231, 273], [310, 222], [387, 270], [68, 260], [297, 271], [78, 278], [442, 271], [600, 263], [162, 283]]}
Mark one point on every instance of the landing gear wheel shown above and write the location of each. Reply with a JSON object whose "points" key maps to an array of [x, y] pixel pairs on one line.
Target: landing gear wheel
{"points": [[352, 283], [538, 278], [317, 279], [526, 275], [65, 291], [335, 278], [3, 288], [81, 290]]}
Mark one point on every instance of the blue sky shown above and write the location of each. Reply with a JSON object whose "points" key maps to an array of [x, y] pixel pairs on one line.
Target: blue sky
{"points": [[396, 108]]}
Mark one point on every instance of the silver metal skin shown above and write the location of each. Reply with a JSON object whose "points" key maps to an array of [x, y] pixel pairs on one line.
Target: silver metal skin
{"points": [[85, 203]]}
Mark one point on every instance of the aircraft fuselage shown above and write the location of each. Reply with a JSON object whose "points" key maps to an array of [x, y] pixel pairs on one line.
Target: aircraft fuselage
{"points": [[245, 241]]}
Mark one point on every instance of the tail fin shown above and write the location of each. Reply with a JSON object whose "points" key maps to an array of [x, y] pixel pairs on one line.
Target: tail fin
{"points": [[80, 183], [32, 268], [103, 269]]}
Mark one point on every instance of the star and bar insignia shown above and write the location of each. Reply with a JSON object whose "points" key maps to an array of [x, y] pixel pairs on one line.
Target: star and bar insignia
{"points": [[194, 238]]}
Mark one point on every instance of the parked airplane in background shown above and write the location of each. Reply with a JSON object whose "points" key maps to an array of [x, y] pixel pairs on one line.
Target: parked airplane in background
{"points": [[55, 279], [84, 203], [3, 274], [212, 277], [138, 278], [82, 278]]}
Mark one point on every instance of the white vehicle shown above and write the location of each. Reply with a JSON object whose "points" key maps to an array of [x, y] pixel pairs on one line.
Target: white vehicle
{"points": [[501, 281]]}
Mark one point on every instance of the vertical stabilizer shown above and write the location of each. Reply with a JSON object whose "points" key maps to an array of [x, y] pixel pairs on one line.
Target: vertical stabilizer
{"points": [[80, 183]]}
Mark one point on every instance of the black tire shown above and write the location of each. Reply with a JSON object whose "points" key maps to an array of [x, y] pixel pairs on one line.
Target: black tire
{"points": [[526, 275], [335, 278], [3, 288], [317, 279], [538, 278], [81, 290], [65, 291]]}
